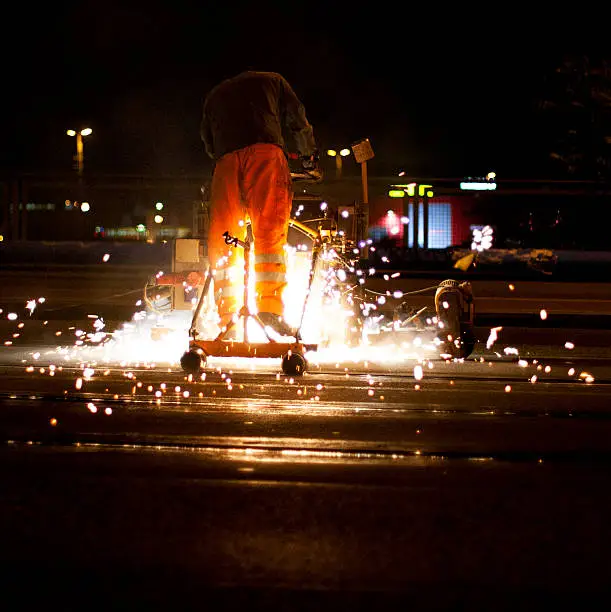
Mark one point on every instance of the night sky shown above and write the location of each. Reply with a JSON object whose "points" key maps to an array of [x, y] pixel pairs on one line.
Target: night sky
{"points": [[439, 99]]}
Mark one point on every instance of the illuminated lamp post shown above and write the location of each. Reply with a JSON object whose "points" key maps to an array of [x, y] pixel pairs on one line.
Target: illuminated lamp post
{"points": [[338, 160], [79, 147]]}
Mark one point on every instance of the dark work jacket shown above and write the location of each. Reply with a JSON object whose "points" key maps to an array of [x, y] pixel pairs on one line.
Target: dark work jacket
{"points": [[253, 108]]}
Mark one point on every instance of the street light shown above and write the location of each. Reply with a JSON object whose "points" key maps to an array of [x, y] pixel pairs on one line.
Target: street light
{"points": [[79, 146], [338, 160]]}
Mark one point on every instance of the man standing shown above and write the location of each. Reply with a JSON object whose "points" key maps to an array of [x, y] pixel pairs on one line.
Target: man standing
{"points": [[250, 123]]}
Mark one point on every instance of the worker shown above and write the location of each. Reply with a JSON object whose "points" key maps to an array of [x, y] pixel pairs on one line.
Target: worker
{"points": [[250, 124]]}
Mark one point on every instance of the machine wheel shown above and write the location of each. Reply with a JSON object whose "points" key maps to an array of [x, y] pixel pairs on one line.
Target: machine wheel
{"points": [[449, 316], [468, 341], [294, 364], [192, 362]]}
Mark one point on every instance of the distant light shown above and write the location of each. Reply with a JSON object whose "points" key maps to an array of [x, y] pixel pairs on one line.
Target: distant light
{"points": [[71, 132], [404, 220], [85, 207], [482, 238], [331, 153], [478, 186], [159, 205], [323, 206], [396, 193], [158, 219], [140, 227], [344, 152], [491, 176], [1, 238], [402, 173], [86, 132], [345, 214]]}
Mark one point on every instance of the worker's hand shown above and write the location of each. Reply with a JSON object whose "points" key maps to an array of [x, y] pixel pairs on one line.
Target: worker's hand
{"points": [[311, 166]]}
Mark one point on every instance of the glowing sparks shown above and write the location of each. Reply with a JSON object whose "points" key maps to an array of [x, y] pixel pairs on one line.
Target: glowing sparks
{"points": [[493, 337]]}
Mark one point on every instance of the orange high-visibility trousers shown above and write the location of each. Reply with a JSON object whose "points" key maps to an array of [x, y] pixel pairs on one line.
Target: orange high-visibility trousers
{"points": [[253, 182]]}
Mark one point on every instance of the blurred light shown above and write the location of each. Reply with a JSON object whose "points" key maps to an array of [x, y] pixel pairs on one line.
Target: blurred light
{"points": [[323, 206], [71, 133], [491, 176], [402, 173], [344, 152], [396, 193], [482, 238], [158, 219], [86, 132], [1, 238], [85, 207], [331, 153], [159, 206], [478, 186], [140, 227], [404, 220], [345, 214]]}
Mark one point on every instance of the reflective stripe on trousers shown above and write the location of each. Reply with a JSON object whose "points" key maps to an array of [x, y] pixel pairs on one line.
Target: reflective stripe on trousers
{"points": [[254, 181]]}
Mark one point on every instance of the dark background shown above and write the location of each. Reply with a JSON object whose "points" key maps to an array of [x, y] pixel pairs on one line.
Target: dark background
{"points": [[439, 94]]}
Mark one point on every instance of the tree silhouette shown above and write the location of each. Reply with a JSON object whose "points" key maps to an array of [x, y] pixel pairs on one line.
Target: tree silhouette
{"points": [[577, 107]]}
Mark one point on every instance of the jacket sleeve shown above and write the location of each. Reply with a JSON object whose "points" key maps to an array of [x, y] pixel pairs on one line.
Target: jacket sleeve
{"points": [[298, 133], [206, 133]]}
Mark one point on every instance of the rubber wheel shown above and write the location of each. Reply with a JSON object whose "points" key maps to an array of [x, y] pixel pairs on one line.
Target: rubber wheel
{"points": [[192, 362], [468, 341], [294, 364]]}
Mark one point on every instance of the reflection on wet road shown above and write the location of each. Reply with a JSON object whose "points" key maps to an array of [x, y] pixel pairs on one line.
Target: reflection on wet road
{"points": [[356, 485]]}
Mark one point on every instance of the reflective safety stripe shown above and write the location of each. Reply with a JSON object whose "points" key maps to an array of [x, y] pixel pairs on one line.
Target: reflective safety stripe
{"points": [[231, 290], [231, 274], [277, 258], [271, 277]]}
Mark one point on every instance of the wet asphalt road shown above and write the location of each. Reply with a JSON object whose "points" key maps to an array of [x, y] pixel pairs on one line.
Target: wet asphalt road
{"points": [[348, 488]]}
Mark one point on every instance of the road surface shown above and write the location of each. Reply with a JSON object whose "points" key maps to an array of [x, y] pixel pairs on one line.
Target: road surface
{"points": [[382, 478], [359, 485]]}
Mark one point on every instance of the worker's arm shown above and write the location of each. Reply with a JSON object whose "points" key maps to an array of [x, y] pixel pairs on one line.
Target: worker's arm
{"points": [[206, 133], [297, 131]]}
